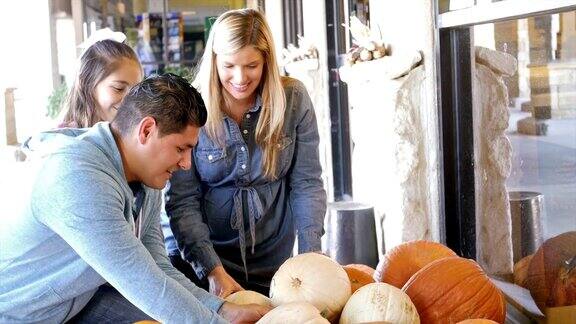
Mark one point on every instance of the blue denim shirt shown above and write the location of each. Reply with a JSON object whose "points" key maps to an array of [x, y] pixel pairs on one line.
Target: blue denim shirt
{"points": [[224, 211]]}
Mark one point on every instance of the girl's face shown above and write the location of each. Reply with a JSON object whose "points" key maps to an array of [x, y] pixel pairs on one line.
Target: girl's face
{"points": [[112, 89], [240, 73]]}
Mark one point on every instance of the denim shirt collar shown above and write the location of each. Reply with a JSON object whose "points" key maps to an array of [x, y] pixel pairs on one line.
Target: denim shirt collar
{"points": [[256, 107]]}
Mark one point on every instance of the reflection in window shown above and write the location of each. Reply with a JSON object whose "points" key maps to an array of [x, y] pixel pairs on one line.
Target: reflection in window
{"points": [[542, 122]]}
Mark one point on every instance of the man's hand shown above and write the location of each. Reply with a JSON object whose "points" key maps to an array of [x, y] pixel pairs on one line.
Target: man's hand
{"points": [[221, 283], [242, 313]]}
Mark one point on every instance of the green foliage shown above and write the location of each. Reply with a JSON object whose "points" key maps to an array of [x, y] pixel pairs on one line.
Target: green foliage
{"points": [[183, 71], [56, 100]]}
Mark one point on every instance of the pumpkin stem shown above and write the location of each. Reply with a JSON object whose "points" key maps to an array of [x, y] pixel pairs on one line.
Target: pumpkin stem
{"points": [[296, 283]]}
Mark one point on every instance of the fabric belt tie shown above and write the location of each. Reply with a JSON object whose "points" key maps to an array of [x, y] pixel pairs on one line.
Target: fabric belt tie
{"points": [[255, 212]]}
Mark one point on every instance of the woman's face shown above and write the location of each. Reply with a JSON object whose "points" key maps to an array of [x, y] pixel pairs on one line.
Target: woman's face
{"points": [[112, 89], [240, 73]]}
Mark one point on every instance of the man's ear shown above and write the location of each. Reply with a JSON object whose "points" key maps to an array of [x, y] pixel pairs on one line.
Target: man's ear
{"points": [[146, 129]]}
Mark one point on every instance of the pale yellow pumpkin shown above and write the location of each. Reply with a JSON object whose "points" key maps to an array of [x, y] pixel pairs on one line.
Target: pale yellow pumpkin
{"points": [[244, 297], [298, 312], [312, 278], [378, 302]]}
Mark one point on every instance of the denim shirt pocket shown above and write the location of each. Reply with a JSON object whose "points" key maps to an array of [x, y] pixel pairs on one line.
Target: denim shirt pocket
{"points": [[286, 153], [211, 164]]}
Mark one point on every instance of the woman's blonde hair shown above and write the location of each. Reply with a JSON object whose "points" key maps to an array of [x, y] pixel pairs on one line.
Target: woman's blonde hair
{"points": [[232, 31]]}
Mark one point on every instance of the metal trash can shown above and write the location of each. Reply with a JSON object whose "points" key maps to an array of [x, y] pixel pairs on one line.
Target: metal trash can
{"points": [[526, 211], [351, 233]]}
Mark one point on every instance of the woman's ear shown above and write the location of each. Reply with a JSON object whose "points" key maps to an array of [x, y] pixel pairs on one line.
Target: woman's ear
{"points": [[146, 129]]}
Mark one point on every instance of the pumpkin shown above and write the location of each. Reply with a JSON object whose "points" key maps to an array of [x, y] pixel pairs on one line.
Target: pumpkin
{"points": [[361, 267], [545, 266], [453, 289], [358, 278], [404, 260], [313, 278], [298, 312], [521, 270], [377, 302], [244, 297], [477, 321]]}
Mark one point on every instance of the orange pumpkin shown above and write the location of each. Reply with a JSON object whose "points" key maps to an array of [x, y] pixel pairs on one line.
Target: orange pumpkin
{"points": [[477, 321], [358, 278], [362, 267], [521, 270], [564, 290], [545, 267], [454, 289], [404, 260]]}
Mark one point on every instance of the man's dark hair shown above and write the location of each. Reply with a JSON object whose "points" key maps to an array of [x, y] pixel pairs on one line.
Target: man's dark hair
{"points": [[168, 98]]}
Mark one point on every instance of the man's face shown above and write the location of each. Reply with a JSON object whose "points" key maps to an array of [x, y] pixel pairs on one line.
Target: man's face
{"points": [[166, 154]]}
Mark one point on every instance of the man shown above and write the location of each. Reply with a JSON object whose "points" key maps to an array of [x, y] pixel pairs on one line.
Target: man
{"points": [[88, 247]]}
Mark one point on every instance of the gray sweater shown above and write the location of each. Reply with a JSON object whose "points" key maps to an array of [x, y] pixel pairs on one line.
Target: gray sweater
{"points": [[77, 232]]}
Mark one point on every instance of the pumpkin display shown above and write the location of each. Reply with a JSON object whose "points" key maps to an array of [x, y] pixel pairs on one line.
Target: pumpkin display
{"points": [[404, 260], [521, 270], [453, 289], [313, 278], [244, 297], [545, 267], [358, 278], [477, 321], [379, 302], [298, 312]]}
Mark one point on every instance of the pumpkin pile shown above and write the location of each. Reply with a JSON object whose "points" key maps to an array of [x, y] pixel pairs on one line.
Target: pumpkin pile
{"points": [[415, 282]]}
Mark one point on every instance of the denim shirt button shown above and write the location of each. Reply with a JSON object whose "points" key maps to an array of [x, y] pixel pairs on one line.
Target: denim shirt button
{"points": [[243, 166], [245, 131], [210, 157], [242, 149], [248, 116]]}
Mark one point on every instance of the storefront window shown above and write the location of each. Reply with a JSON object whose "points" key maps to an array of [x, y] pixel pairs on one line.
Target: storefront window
{"points": [[541, 100], [187, 25]]}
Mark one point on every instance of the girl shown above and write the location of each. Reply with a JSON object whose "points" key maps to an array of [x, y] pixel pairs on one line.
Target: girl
{"points": [[108, 69]]}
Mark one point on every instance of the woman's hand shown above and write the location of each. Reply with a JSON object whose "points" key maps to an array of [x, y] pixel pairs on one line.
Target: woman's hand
{"points": [[221, 283], [242, 313]]}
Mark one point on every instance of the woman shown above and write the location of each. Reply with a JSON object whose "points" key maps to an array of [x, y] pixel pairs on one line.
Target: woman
{"points": [[255, 181], [108, 69]]}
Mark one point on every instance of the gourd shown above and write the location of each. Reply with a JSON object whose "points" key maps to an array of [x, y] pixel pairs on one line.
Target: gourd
{"points": [[453, 289], [358, 276], [313, 278], [404, 260], [377, 302], [244, 297]]}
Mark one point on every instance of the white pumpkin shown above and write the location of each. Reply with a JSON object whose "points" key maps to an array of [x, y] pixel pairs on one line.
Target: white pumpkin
{"points": [[312, 278], [244, 297], [298, 312], [379, 302]]}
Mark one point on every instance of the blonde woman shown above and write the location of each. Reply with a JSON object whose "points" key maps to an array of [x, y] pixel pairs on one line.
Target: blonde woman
{"points": [[255, 179]]}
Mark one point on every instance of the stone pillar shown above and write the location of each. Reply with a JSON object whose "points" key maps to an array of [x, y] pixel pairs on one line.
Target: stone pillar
{"points": [[492, 155], [506, 40], [540, 55], [391, 158]]}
